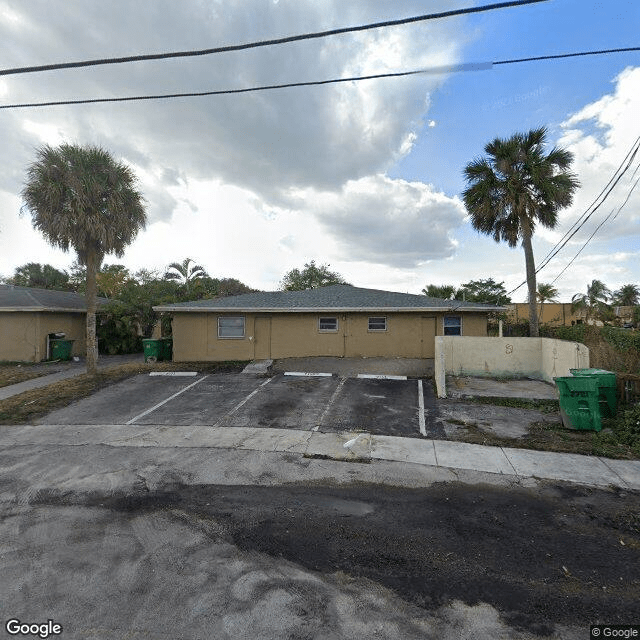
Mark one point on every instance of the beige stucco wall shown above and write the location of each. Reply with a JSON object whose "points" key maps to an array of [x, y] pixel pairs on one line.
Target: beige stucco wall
{"points": [[299, 334], [74, 325], [541, 358], [553, 313], [18, 336], [23, 335], [408, 335]]}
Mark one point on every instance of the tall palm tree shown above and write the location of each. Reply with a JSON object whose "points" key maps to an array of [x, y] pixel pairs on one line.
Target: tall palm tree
{"points": [[185, 272], [628, 295], [515, 187], [546, 292], [81, 197], [594, 302]]}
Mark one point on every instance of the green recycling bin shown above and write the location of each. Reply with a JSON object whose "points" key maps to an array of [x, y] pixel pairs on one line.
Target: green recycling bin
{"points": [[580, 403], [60, 349], [167, 349], [606, 381], [152, 350]]}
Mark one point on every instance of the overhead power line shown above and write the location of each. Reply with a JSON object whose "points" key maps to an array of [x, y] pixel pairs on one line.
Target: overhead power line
{"points": [[269, 87], [594, 206], [622, 169], [588, 240], [568, 55], [268, 43], [471, 66]]}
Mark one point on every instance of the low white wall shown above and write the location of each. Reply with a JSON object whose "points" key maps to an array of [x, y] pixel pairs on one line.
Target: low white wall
{"points": [[539, 358]]}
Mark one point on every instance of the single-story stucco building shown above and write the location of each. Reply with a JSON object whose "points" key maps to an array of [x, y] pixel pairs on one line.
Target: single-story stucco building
{"points": [[28, 315], [338, 320]]}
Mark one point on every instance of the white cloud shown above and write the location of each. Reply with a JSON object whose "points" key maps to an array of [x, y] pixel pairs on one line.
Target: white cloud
{"points": [[317, 137], [220, 174], [600, 136], [380, 220]]}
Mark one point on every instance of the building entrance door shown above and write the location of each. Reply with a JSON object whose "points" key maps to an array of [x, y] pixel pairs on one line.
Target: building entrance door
{"points": [[428, 349], [262, 338]]}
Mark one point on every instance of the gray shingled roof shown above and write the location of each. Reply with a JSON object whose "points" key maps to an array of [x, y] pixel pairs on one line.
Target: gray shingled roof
{"points": [[14, 298], [337, 297]]}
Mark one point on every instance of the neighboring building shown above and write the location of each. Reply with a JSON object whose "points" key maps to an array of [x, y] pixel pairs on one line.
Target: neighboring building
{"points": [[625, 314], [555, 314], [28, 315], [338, 320]]}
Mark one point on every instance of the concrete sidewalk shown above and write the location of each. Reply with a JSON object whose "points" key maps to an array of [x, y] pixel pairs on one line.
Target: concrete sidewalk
{"points": [[346, 446]]}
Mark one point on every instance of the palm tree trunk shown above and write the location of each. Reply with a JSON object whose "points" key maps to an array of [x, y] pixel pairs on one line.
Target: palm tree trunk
{"points": [[534, 331], [92, 292]]}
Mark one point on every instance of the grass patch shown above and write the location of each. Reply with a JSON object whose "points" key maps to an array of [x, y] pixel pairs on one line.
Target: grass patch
{"points": [[32, 405], [619, 438], [544, 406], [15, 373], [621, 435]]}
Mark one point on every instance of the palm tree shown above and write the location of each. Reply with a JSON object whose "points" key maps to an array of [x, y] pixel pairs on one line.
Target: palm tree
{"points": [[43, 276], [442, 291], [627, 295], [546, 292], [594, 302], [515, 187], [185, 272], [81, 197]]}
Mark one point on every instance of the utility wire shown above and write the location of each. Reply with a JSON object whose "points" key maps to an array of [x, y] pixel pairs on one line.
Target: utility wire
{"points": [[472, 66], [568, 55], [628, 160], [269, 87], [635, 184], [268, 43]]}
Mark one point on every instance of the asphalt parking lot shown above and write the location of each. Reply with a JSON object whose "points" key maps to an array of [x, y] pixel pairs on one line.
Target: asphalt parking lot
{"points": [[325, 403]]}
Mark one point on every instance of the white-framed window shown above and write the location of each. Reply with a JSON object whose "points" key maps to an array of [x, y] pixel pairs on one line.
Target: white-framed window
{"points": [[452, 326], [230, 326], [377, 323], [327, 324]]}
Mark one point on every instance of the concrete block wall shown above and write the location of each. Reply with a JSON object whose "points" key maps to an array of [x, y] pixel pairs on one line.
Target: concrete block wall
{"points": [[538, 358]]}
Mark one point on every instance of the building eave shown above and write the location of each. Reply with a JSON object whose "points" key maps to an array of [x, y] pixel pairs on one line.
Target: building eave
{"points": [[40, 309], [196, 309]]}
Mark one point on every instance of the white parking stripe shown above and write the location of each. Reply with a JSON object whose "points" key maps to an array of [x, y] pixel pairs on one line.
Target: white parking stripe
{"points": [[378, 376], [189, 374], [144, 413], [308, 374], [240, 404], [330, 403], [421, 421]]}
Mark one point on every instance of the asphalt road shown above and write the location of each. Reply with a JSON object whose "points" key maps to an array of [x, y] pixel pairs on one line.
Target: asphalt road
{"points": [[164, 543]]}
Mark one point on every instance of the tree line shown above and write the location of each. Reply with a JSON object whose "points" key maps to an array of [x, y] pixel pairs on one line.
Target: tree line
{"points": [[598, 303], [129, 315]]}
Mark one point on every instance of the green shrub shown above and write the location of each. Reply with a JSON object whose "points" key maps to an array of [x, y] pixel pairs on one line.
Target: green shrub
{"points": [[117, 331], [622, 435], [622, 339]]}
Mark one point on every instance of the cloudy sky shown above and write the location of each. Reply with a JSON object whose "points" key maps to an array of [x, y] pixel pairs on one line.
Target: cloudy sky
{"points": [[365, 176]]}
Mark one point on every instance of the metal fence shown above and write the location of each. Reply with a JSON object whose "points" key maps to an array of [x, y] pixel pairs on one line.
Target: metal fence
{"points": [[628, 388]]}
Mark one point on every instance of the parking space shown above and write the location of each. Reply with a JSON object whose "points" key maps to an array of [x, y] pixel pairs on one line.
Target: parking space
{"points": [[377, 406], [119, 403], [287, 402], [314, 403], [207, 402]]}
